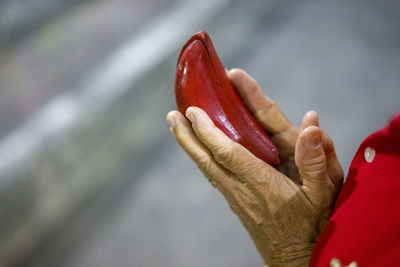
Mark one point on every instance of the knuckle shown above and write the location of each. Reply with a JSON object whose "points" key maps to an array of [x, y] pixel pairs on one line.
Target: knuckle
{"points": [[202, 131], [264, 113], [225, 154], [261, 114], [233, 207], [244, 196], [180, 136], [251, 86], [204, 163], [239, 189], [259, 184], [236, 187]]}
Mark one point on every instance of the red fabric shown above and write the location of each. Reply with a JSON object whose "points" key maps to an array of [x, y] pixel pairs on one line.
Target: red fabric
{"points": [[365, 225]]}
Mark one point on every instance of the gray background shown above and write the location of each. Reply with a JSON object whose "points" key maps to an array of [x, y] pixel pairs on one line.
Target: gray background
{"points": [[89, 173]]}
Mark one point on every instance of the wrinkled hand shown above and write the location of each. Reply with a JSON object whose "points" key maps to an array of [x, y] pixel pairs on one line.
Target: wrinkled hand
{"points": [[283, 209]]}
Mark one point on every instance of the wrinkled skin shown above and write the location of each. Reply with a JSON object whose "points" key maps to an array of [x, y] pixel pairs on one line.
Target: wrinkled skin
{"points": [[284, 209]]}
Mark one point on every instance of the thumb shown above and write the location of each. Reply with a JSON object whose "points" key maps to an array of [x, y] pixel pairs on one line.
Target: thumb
{"points": [[311, 161]]}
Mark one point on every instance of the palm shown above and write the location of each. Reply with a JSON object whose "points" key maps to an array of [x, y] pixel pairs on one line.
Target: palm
{"points": [[297, 220]]}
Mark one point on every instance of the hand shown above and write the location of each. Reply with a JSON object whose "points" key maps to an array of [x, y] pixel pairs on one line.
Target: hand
{"points": [[283, 209]]}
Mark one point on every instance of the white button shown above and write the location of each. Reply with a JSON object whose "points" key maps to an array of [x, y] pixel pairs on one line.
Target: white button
{"points": [[335, 263], [369, 154]]}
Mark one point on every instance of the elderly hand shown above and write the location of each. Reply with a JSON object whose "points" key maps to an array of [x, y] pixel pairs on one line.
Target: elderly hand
{"points": [[283, 209]]}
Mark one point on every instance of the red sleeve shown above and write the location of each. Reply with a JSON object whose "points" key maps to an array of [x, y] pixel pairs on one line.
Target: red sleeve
{"points": [[365, 225]]}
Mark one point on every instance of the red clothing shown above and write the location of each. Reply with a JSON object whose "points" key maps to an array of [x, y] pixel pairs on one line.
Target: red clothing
{"points": [[365, 225]]}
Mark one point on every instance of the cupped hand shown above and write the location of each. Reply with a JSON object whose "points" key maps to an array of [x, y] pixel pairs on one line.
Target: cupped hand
{"points": [[284, 209]]}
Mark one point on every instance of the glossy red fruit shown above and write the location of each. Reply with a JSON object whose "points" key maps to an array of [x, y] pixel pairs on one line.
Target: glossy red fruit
{"points": [[201, 81]]}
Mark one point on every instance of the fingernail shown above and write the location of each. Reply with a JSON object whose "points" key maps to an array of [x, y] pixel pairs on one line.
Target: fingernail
{"points": [[312, 140], [191, 115], [171, 122]]}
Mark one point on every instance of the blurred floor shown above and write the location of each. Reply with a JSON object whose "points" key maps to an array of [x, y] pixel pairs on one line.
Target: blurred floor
{"points": [[339, 58]]}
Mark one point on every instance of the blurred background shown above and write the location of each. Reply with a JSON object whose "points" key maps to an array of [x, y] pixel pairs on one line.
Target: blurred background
{"points": [[89, 173]]}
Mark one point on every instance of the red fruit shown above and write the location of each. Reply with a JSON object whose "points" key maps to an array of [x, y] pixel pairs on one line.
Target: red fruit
{"points": [[201, 81]]}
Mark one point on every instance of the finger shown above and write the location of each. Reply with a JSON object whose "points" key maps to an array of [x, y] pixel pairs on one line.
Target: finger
{"points": [[215, 173], [226, 152], [264, 109], [334, 169], [185, 136], [310, 119], [311, 162]]}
